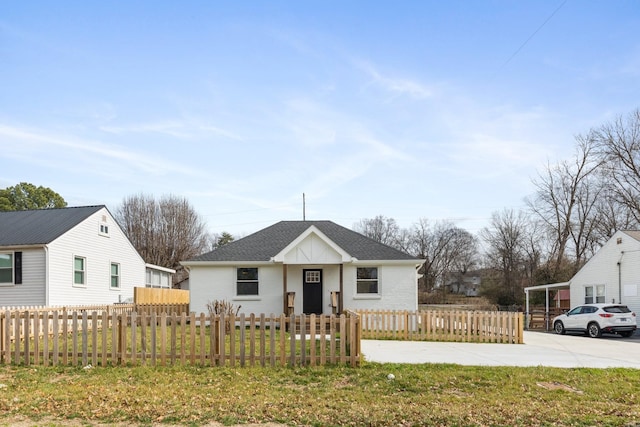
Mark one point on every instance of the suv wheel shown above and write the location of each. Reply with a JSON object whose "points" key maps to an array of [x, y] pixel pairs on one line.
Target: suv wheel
{"points": [[593, 329], [558, 327]]}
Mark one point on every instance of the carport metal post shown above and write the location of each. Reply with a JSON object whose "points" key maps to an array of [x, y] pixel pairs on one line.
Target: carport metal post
{"points": [[546, 288], [526, 309], [546, 309]]}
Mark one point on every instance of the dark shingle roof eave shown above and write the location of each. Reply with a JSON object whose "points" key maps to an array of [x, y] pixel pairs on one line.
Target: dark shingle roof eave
{"points": [[263, 245], [42, 226]]}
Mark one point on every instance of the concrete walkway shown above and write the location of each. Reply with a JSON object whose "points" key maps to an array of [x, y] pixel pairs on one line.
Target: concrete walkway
{"points": [[539, 349]]}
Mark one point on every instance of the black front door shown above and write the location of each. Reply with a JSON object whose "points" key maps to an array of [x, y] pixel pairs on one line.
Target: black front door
{"points": [[312, 291]]}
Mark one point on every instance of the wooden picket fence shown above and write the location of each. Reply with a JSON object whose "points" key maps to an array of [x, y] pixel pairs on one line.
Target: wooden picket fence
{"points": [[445, 325], [102, 338]]}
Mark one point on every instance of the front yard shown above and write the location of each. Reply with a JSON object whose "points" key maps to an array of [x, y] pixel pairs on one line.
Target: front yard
{"points": [[437, 395]]}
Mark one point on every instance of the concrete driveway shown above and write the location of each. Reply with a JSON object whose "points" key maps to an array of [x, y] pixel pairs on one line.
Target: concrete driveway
{"points": [[539, 349]]}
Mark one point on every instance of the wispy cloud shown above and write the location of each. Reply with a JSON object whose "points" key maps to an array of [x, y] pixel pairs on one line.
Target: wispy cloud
{"points": [[397, 85], [183, 129], [344, 147], [58, 151], [500, 143]]}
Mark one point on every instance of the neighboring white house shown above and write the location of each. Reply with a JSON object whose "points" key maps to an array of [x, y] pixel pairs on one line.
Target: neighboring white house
{"points": [[69, 256], [611, 275], [465, 285], [158, 277], [313, 260]]}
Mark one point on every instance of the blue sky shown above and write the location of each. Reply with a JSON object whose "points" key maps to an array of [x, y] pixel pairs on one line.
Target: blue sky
{"points": [[410, 109]]}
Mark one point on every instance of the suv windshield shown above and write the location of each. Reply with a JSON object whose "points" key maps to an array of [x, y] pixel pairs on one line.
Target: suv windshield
{"points": [[617, 309]]}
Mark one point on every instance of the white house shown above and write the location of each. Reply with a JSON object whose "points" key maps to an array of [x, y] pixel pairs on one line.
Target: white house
{"points": [[315, 262], [611, 275], [69, 256]]}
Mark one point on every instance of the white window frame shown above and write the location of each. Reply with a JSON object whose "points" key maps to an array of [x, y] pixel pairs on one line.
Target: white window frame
{"points": [[368, 280], [83, 271], [117, 276], [104, 229], [312, 276], [595, 294], [255, 281], [12, 267]]}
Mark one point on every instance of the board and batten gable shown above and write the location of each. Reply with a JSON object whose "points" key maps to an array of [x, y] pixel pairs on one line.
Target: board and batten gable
{"points": [[100, 247], [616, 266], [32, 290]]}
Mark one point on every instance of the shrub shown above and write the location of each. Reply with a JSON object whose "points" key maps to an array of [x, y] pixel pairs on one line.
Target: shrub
{"points": [[221, 307]]}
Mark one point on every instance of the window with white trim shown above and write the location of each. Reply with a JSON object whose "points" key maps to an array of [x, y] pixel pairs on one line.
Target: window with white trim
{"points": [[367, 280], [79, 271], [6, 268], [115, 275], [157, 279], [247, 281], [594, 294], [312, 276]]}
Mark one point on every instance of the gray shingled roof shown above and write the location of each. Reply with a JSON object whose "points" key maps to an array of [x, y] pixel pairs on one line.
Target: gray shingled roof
{"points": [[266, 243], [39, 227]]}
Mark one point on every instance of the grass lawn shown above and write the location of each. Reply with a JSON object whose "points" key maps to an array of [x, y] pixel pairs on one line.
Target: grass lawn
{"points": [[425, 395]]}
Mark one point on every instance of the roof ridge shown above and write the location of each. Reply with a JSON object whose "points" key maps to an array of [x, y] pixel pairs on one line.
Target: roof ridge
{"points": [[55, 209]]}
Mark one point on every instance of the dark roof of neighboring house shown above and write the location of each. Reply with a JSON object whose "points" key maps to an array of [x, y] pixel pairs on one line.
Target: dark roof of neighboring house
{"points": [[266, 243], [42, 226]]}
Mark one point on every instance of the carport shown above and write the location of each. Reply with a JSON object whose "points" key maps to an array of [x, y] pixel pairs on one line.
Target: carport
{"points": [[545, 316]]}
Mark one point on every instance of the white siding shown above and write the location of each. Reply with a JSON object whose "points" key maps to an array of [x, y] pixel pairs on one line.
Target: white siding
{"points": [[207, 284], [100, 251], [32, 290], [398, 288], [622, 284]]}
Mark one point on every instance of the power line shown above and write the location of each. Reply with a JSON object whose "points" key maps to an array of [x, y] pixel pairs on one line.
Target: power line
{"points": [[531, 36]]}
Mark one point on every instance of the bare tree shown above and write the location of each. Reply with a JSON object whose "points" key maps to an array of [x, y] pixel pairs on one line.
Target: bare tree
{"points": [[506, 240], [612, 215], [165, 231], [447, 250], [381, 229], [619, 147], [565, 202]]}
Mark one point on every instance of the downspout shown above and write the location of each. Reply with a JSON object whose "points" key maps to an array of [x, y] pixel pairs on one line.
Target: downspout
{"points": [[620, 277], [46, 275], [285, 299], [341, 289]]}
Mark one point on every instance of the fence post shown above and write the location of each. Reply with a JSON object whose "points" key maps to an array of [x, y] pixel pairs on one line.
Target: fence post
{"points": [[1, 336], [292, 340], [520, 328]]}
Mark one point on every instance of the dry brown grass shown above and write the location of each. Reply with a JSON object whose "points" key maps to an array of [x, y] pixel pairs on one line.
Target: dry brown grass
{"points": [[431, 395]]}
